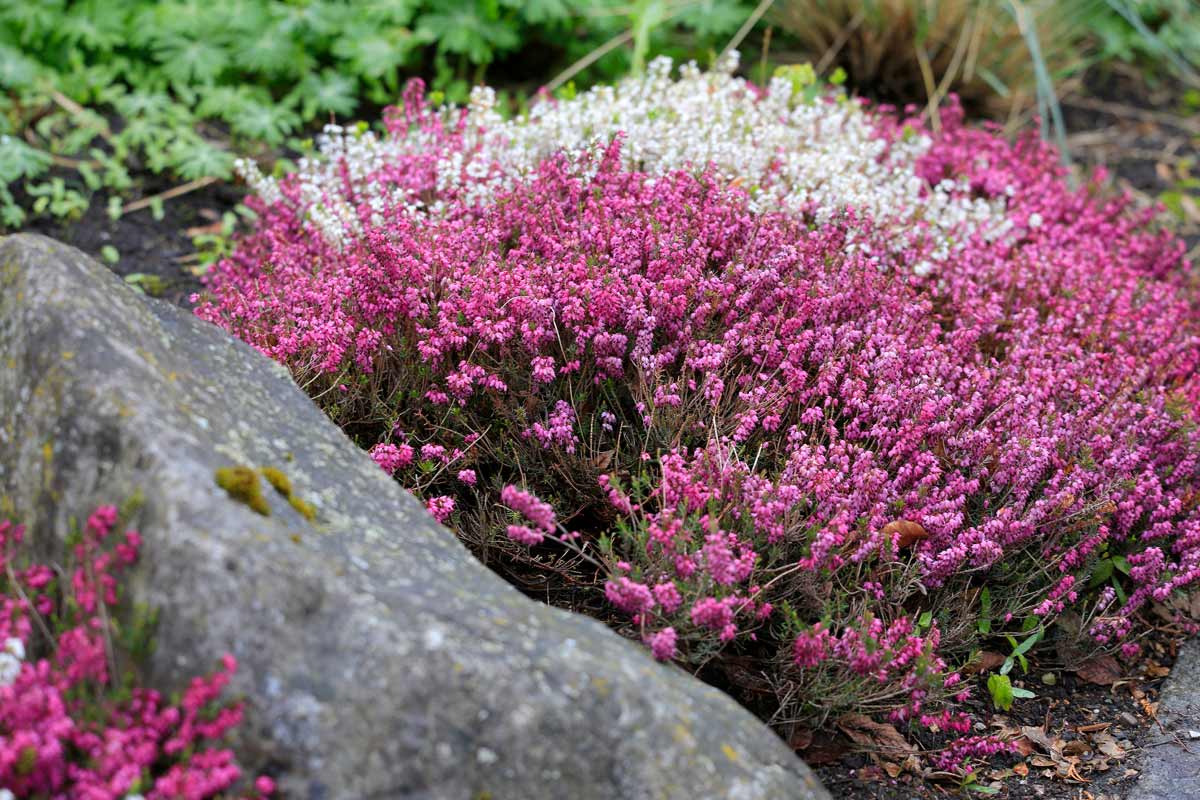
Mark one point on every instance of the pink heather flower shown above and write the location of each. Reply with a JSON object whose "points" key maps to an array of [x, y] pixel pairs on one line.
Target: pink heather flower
{"points": [[441, 507], [558, 430], [616, 497], [810, 647], [102, 520], [392, 458], [531, 508], [662, 644], [435, 452], [668, 597], [72, 729], [543, 369], [725, 567], [467, 476], [709, 612], [523, 534], [629, 595]]}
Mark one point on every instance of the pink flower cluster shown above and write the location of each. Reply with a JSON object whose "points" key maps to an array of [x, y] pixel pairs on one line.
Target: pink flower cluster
{"points": [[762, 422], [69, 724]]}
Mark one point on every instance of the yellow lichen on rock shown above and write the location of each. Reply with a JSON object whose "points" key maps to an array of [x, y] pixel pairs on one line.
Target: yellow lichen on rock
{"points": [[276, 478], [242, 484]]}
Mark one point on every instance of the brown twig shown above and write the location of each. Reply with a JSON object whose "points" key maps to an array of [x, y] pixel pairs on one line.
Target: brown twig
{"points": [[76, 110], [1133, 112], [747, 26], [182, 189], [836, 46], [589, 59], [57, 160]]}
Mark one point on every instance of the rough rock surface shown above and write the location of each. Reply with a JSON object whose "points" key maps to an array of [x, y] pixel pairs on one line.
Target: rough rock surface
{"points": [[1171, 761], [378, 658]]}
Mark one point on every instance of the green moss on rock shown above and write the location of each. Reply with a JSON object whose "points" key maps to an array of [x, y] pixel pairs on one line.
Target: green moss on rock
{"points": [[283, 485], [276, 478], [242, 484], [303, 507]]}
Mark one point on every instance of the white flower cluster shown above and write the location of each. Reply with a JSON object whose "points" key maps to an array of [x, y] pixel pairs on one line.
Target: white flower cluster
{"points": [[10, 660], [788, 154]]}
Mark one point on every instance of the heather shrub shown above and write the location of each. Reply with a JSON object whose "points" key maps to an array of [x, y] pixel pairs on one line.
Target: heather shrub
{"points": [[74, 719], [815, 450]]}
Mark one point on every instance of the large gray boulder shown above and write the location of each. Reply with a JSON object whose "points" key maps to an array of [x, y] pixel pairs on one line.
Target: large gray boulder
{"points": [[378, 658]]}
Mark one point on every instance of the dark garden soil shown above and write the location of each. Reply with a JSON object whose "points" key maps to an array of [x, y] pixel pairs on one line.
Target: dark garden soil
{"points": [[1082, 737], [1083, 734], [159, 248]]}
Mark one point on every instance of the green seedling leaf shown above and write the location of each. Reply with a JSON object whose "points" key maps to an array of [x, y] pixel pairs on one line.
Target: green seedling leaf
{"points": [[1001, 690], [145, 283]]}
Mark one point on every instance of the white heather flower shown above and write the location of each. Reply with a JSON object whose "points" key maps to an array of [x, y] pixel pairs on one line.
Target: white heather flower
{"points": [[5, 794], [1035, 220], [10, 663], [823, 156], [15, 647], [10, 668]]}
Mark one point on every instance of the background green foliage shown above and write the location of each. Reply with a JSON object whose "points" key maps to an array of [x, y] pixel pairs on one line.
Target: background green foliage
{"points": [[108, 88]]}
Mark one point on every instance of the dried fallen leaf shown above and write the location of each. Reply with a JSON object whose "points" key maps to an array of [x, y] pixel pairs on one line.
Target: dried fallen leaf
{"points": [[1076, 747], [1095, 726], [910, 532], [1024, 747], [986, 661], [1069, 769], [826, 750], [1021, 769], [1107, 745], [1039, 737], [1101, 670], [800, 739], [866, 732], [1157, 670], [870, 774], [603, 459]]}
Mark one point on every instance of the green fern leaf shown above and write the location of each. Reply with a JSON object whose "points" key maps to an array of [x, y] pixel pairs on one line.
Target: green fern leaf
{"points": [[20, 161], [199, 158], [465, 32], [329, 92], [16, 70], [266, 122], [186, 60], [375, 53], [273, 53]]}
